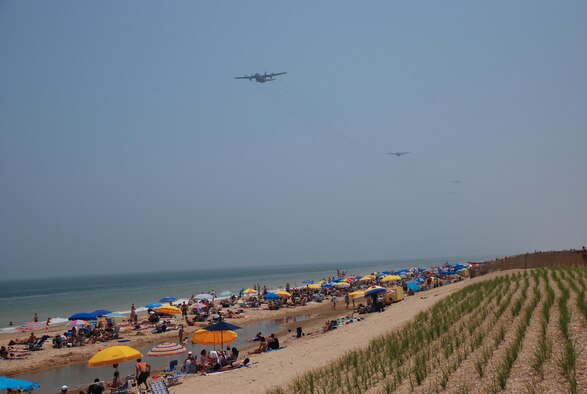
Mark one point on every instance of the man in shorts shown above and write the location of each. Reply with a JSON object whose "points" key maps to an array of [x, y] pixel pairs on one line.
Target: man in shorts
{"points": [[142, 371]]}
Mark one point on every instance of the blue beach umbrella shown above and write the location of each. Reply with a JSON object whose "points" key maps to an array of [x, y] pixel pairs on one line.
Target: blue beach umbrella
{"points": [[168, 299], [101, 312], [153, 305], [222, 327], [376, 290], [82, 316], [327, 285], [308, 282], [414, 287], [271, 296], [16, 384]]}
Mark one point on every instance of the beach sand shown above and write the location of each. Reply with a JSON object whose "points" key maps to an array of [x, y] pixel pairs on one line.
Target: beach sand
{"points": [[317, 350], [50, 358]]}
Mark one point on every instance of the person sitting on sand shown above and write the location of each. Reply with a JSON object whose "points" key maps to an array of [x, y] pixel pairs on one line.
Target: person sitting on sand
{"points": [[236, 364], [96, 387], [116, 383], [273, 342], [203, 364], [4, 352], [262, 347]]}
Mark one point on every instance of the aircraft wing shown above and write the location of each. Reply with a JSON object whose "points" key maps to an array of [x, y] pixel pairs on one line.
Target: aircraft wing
{"points": [[245, 77], [275, 74]]}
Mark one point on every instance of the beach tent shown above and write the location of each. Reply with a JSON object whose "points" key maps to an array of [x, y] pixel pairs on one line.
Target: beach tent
{"points": [[17, 384], [114, 355], [82, 316]]}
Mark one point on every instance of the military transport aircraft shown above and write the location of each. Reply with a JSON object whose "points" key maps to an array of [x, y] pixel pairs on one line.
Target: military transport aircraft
{"points": [[398, 154], [261, 78]]}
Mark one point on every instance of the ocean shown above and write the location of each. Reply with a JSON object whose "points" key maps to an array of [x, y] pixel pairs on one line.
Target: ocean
{"points": [[58, 298]]}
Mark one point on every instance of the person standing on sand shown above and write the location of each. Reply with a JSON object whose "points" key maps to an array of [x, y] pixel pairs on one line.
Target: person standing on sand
{"points": [[333, 299], [347, 300], [142, 372], [180, 334], [36, 318]]}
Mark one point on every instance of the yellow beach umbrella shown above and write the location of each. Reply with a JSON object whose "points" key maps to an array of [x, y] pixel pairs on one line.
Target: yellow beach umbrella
{"points": [[205, 337], [314, 286], [367, 278], [357, 294], [283, 293], [390, 278], [249, 291], [343, 285], [114, 355], [169, 310]]}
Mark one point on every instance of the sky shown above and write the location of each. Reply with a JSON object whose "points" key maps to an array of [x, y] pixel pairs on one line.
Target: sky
{"points": [[126, 144]]}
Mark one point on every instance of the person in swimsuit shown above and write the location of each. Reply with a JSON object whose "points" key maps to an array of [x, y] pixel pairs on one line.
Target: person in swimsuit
{"points": [[142, 373], [235, 364]]}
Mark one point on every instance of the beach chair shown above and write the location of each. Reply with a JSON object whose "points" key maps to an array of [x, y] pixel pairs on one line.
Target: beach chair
{"points": [[172, 367], [38, 345]]}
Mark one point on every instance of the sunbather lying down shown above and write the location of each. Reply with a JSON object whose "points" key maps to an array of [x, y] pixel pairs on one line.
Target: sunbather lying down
{"points": [[235, 365]]}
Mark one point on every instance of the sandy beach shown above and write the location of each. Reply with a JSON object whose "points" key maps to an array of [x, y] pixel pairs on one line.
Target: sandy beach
{"points": [[316, 350]]}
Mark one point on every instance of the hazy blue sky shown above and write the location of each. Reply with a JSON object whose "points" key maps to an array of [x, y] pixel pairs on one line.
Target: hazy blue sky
{"points": [[126, 144]]}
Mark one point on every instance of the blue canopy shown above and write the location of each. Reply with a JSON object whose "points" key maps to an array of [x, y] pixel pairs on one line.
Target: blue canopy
{"points": [[221, 327], [168, 299], [153, 305], [15, 384], [414, 287], [402, 272], [420, 280], [271, 296], [101, 312], [82, 316], [308, 282], [114, 314]]}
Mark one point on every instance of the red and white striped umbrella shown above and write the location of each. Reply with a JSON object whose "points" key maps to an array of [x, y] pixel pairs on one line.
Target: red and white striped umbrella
{"points": [[78, 323], [167, 349]]}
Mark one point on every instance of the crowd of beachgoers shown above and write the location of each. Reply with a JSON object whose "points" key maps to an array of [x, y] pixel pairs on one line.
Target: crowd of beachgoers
{"points": [[359, 295]]}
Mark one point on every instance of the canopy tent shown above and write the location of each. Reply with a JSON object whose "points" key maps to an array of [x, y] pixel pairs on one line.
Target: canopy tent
{"points": [[17, 384]]}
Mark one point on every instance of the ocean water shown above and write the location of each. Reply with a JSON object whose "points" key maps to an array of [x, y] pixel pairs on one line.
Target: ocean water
{"points": [[59, 298]]}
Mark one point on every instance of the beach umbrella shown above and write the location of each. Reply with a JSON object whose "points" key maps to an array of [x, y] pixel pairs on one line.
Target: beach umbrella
{"points": [[197, 305], [204, 296], [166, 349], [336, 280], [17, 384], [327, 285], [314, 286], [357, 294], [114, 314], [226, 293], [341, 285], [390, 278], [101, 312], [153, 305], [308, 282], [367, 278], [413, 286], [82, 316], [169, 310], [31, 326], [250, 291], [282, 293], [205, 337], [222, 326], [271, 296], [168, 299], [78, 323], [240, 302], [374, 290], [114, 355]]}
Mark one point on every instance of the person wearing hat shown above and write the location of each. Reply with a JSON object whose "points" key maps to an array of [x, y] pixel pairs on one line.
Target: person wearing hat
{"points": [[188, 358], [64, 389]]}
